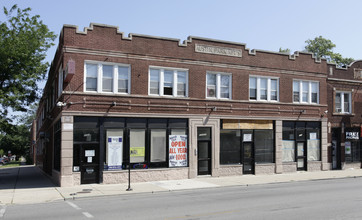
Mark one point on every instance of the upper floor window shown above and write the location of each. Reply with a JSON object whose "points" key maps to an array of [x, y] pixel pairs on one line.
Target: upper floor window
{"points": [[305, 92], [106, 77], [263, 89], [218, 85], [343, 103], [168, 82]]}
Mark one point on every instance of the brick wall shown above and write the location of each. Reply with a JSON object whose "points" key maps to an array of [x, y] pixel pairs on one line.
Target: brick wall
{"points": [[106, 44]]}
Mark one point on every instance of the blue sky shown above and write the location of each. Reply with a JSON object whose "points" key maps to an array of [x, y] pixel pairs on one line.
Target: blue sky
{"points": [[261, 24]]}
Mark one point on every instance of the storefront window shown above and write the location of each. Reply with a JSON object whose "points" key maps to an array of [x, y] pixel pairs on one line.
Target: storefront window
{"points": [[301, 132], [137, 140], [264, 146], [232, 142], [313, 141], [288, 151], [230, 147], [288, 144], [57, 144], [141, 141], [114, 149], [352, 145], [176, 131], [158, 145]]}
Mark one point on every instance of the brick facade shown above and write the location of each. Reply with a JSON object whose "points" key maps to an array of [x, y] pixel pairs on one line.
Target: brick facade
{"points": [[107, 45]]}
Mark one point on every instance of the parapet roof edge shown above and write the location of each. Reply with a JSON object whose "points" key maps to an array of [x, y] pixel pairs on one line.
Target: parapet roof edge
{"points": [[189, 40], [354, 62]]}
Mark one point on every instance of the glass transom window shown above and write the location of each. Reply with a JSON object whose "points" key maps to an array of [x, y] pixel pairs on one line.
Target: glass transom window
{"points": [[263, 88], [168, 82], [107, 77], [218, 85], [305, 92]]}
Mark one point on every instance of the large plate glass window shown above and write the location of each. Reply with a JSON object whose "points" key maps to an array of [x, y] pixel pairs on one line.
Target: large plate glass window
{"points": [[264, 146], [137, 146], [114, 149], [288, 144], [313, 141], [158, 145], [168, 82], [218, 85], [230, 146], [263, 88]]}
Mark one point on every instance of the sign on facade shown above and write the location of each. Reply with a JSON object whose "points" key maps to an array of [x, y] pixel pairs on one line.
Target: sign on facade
{"points": [[352, 135]]}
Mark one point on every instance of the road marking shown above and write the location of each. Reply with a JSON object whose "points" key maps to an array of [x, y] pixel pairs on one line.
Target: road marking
{"points": [[2, 211], [87, 214], [206, 214], [73, 205]]}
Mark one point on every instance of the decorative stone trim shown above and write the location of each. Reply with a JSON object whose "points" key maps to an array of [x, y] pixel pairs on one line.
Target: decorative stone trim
{"points": [[224, 51]]}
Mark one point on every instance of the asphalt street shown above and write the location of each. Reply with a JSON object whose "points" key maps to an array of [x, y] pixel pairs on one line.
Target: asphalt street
{"points": [[320, 199]]}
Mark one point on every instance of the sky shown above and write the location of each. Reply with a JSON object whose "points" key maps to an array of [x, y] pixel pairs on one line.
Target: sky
{"points": [[260, 24]]}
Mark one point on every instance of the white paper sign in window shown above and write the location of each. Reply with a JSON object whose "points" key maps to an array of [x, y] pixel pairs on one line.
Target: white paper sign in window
{"points": [[114, 151], [177, 150], [90, 153]]}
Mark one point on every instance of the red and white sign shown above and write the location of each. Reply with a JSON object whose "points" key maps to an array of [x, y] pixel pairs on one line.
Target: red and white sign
{"points": [[177, 150]]}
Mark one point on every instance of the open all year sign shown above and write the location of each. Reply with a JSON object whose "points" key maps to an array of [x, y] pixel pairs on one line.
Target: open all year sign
{"points": [[177, 150]]}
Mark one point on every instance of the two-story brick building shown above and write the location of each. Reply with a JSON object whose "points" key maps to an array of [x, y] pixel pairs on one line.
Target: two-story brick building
{"points": [[344, 114], [177, 110]]}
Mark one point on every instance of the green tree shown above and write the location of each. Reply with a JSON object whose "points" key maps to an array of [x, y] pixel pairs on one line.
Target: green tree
{"points": [[16, 140], [286, 50], [24, 40], [323, 48]]}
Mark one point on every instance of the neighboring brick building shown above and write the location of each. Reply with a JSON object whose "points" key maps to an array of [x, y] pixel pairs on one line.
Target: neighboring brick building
{"points": [[344, 114], [179, 110]]}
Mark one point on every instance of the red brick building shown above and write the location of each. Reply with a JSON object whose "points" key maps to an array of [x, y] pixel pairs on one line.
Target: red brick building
{"points": [[344, 115], [175, 110]]}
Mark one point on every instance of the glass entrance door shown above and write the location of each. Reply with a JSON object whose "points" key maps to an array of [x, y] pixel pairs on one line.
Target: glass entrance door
{"points": [[301, 156], [248, 158], [204, 151], [89, 163]]}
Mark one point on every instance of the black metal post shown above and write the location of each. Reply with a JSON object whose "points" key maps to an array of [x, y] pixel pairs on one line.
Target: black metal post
{"points": [[129, 173]]}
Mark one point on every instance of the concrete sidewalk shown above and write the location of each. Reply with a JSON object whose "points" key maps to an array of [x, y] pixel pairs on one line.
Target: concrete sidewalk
{"points": [[28, 184]]}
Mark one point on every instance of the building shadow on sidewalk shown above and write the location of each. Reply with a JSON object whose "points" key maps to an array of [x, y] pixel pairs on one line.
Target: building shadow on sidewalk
{"points": [[24, 177]]}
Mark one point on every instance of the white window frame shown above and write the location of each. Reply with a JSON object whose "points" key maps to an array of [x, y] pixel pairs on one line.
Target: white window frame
{"points": [[218, 85], [174, 81], [309, 94], [342, 93], [100, 77], [268, 90]]}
